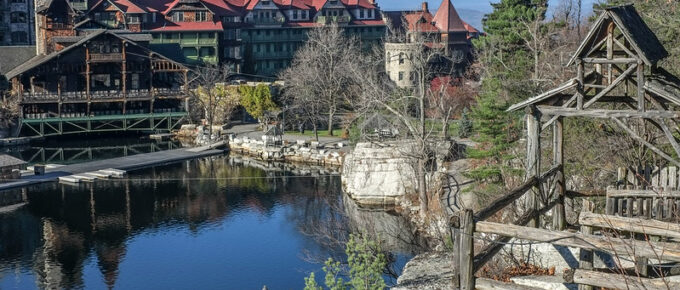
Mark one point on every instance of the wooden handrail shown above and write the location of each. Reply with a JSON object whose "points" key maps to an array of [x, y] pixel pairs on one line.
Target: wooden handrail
{"points": [[514, 194], [634, 225], [645, 249], [486, 254], [611, 192], [616, 280]]}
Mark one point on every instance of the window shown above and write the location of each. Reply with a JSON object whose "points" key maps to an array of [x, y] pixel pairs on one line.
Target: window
{"points": [[401, 75], [201, 16], [295, 14], [412, 76], [361, 13], [18, 1], [19, 37], [18, 17], [178, 17], [133, 19], [401, 58]]}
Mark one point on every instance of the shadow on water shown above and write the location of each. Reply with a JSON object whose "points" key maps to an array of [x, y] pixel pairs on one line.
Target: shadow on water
{"points": [[207, 223]]}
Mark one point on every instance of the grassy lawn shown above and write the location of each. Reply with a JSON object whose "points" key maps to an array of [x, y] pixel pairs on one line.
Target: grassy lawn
{"points": [[310, 133]]}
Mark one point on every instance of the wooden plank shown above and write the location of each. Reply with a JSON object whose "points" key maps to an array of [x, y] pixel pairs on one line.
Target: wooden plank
{"points": [[641, 86], [633, 225], [467, 245], [619, 193], [604, 113], [616, 280], [488, 284], [647, 249], [663, 178]]}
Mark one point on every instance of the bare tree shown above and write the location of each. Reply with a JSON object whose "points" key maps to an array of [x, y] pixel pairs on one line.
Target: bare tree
{"points": [[209, 87], [319, 80], [409, 106]]}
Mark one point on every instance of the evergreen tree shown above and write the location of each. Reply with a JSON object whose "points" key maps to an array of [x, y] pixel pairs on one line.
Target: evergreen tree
{"points": [[508, 66]]}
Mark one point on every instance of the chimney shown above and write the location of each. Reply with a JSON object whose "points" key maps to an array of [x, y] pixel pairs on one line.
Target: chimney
{"points": [[425, 9]]}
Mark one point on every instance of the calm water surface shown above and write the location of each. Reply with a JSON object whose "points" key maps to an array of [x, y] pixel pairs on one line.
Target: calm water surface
{"points": [[204, 224]]}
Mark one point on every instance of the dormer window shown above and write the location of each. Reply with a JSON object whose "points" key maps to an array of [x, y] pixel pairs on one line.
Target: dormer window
{"points": [[295, 14], [201, 16], [178, 17], [265, 2], [361, 13]]}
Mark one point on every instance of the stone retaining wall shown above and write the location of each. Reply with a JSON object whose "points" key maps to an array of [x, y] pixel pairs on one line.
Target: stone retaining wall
{"points": [[300, 152]]}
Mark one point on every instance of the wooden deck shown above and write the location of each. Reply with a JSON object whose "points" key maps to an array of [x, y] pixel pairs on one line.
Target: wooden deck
{"points": [[127, 163]]}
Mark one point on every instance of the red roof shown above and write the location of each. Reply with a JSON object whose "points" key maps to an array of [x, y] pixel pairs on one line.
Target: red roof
{"points": [[447, 19], [127, 6], [189, 26], [368, 22], [420, 21], [298, 4], [360, 3], [220, 7]]}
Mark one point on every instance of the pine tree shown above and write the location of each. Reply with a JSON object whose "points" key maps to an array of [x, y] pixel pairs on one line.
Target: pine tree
{"points": [[508, 67]]}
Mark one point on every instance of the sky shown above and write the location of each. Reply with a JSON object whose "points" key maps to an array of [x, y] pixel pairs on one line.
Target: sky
{"points": [[471, 11]]}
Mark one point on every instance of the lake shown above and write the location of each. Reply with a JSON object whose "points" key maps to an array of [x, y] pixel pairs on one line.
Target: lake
{"points": [[211, 223]]}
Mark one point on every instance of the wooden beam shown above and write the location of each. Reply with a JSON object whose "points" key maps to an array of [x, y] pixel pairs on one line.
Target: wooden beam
{"points": [[625, 49], [643, 193], [579, 89], [611, 86], [628, 224], [554, 118], [533, 166], [610, 61], [602, 113], [506, 199], [616, 280], [488, 284], [559, 213], [640, 86], [647, 249], [490, 251], [644, 142]]}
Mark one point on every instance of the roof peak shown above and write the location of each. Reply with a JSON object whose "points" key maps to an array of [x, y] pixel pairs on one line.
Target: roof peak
{"points": [[447, 18]]}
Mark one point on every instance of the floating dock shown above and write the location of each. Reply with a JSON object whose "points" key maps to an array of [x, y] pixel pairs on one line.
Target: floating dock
{"points": [[115, 167]]}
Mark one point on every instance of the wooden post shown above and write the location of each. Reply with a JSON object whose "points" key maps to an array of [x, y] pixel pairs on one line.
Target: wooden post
{"points": [[641, 85], [467, 230], [586, 256], [559, 214], [151, 92], [580, 92], [87, 78], [124, 69], [610, 52], [533, 120], [455, 225]]}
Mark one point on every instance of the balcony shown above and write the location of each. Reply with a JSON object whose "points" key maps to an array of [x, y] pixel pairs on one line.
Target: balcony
{"points": [[169, 92], [106, 57], [333, 19], [276, 21]]}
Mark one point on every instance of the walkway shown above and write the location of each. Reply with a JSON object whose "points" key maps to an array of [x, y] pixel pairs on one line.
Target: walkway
{"points": [[127, 163], [251, 131]]}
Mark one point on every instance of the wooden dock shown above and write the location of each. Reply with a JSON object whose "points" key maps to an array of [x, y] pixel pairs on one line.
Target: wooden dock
{"points": [[114, 166]]}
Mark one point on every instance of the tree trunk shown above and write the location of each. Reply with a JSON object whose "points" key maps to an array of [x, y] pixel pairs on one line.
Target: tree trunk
{"points": [[445, 128], [316, 131], [422, 186], [331, 114]]}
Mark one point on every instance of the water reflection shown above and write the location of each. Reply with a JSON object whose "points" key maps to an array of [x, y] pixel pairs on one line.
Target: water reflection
{"points": [[74, 150], [209, 223]]}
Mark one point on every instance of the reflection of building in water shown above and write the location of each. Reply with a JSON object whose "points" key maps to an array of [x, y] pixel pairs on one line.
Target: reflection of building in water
{"points": [[384, 225], [63, 227]]}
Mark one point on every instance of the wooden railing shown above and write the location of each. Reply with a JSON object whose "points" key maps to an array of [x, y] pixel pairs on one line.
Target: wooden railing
{"points": [[614, 239], [106, 57]]}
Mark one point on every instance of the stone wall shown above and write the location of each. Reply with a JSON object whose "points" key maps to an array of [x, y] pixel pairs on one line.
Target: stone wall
{"points": [[301, 152]]}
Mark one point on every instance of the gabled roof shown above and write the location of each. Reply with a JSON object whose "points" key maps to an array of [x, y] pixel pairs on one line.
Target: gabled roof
{"points": [[447, 18], [637, 33], [20, 54], [7, 160], [42, 59]]}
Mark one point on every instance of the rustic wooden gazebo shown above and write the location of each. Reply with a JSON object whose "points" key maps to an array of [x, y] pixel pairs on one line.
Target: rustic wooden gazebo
{"points": [[618, 79]]}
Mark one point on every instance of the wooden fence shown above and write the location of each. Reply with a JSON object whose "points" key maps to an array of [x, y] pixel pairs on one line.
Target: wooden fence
{"points": [[634, 243]]}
